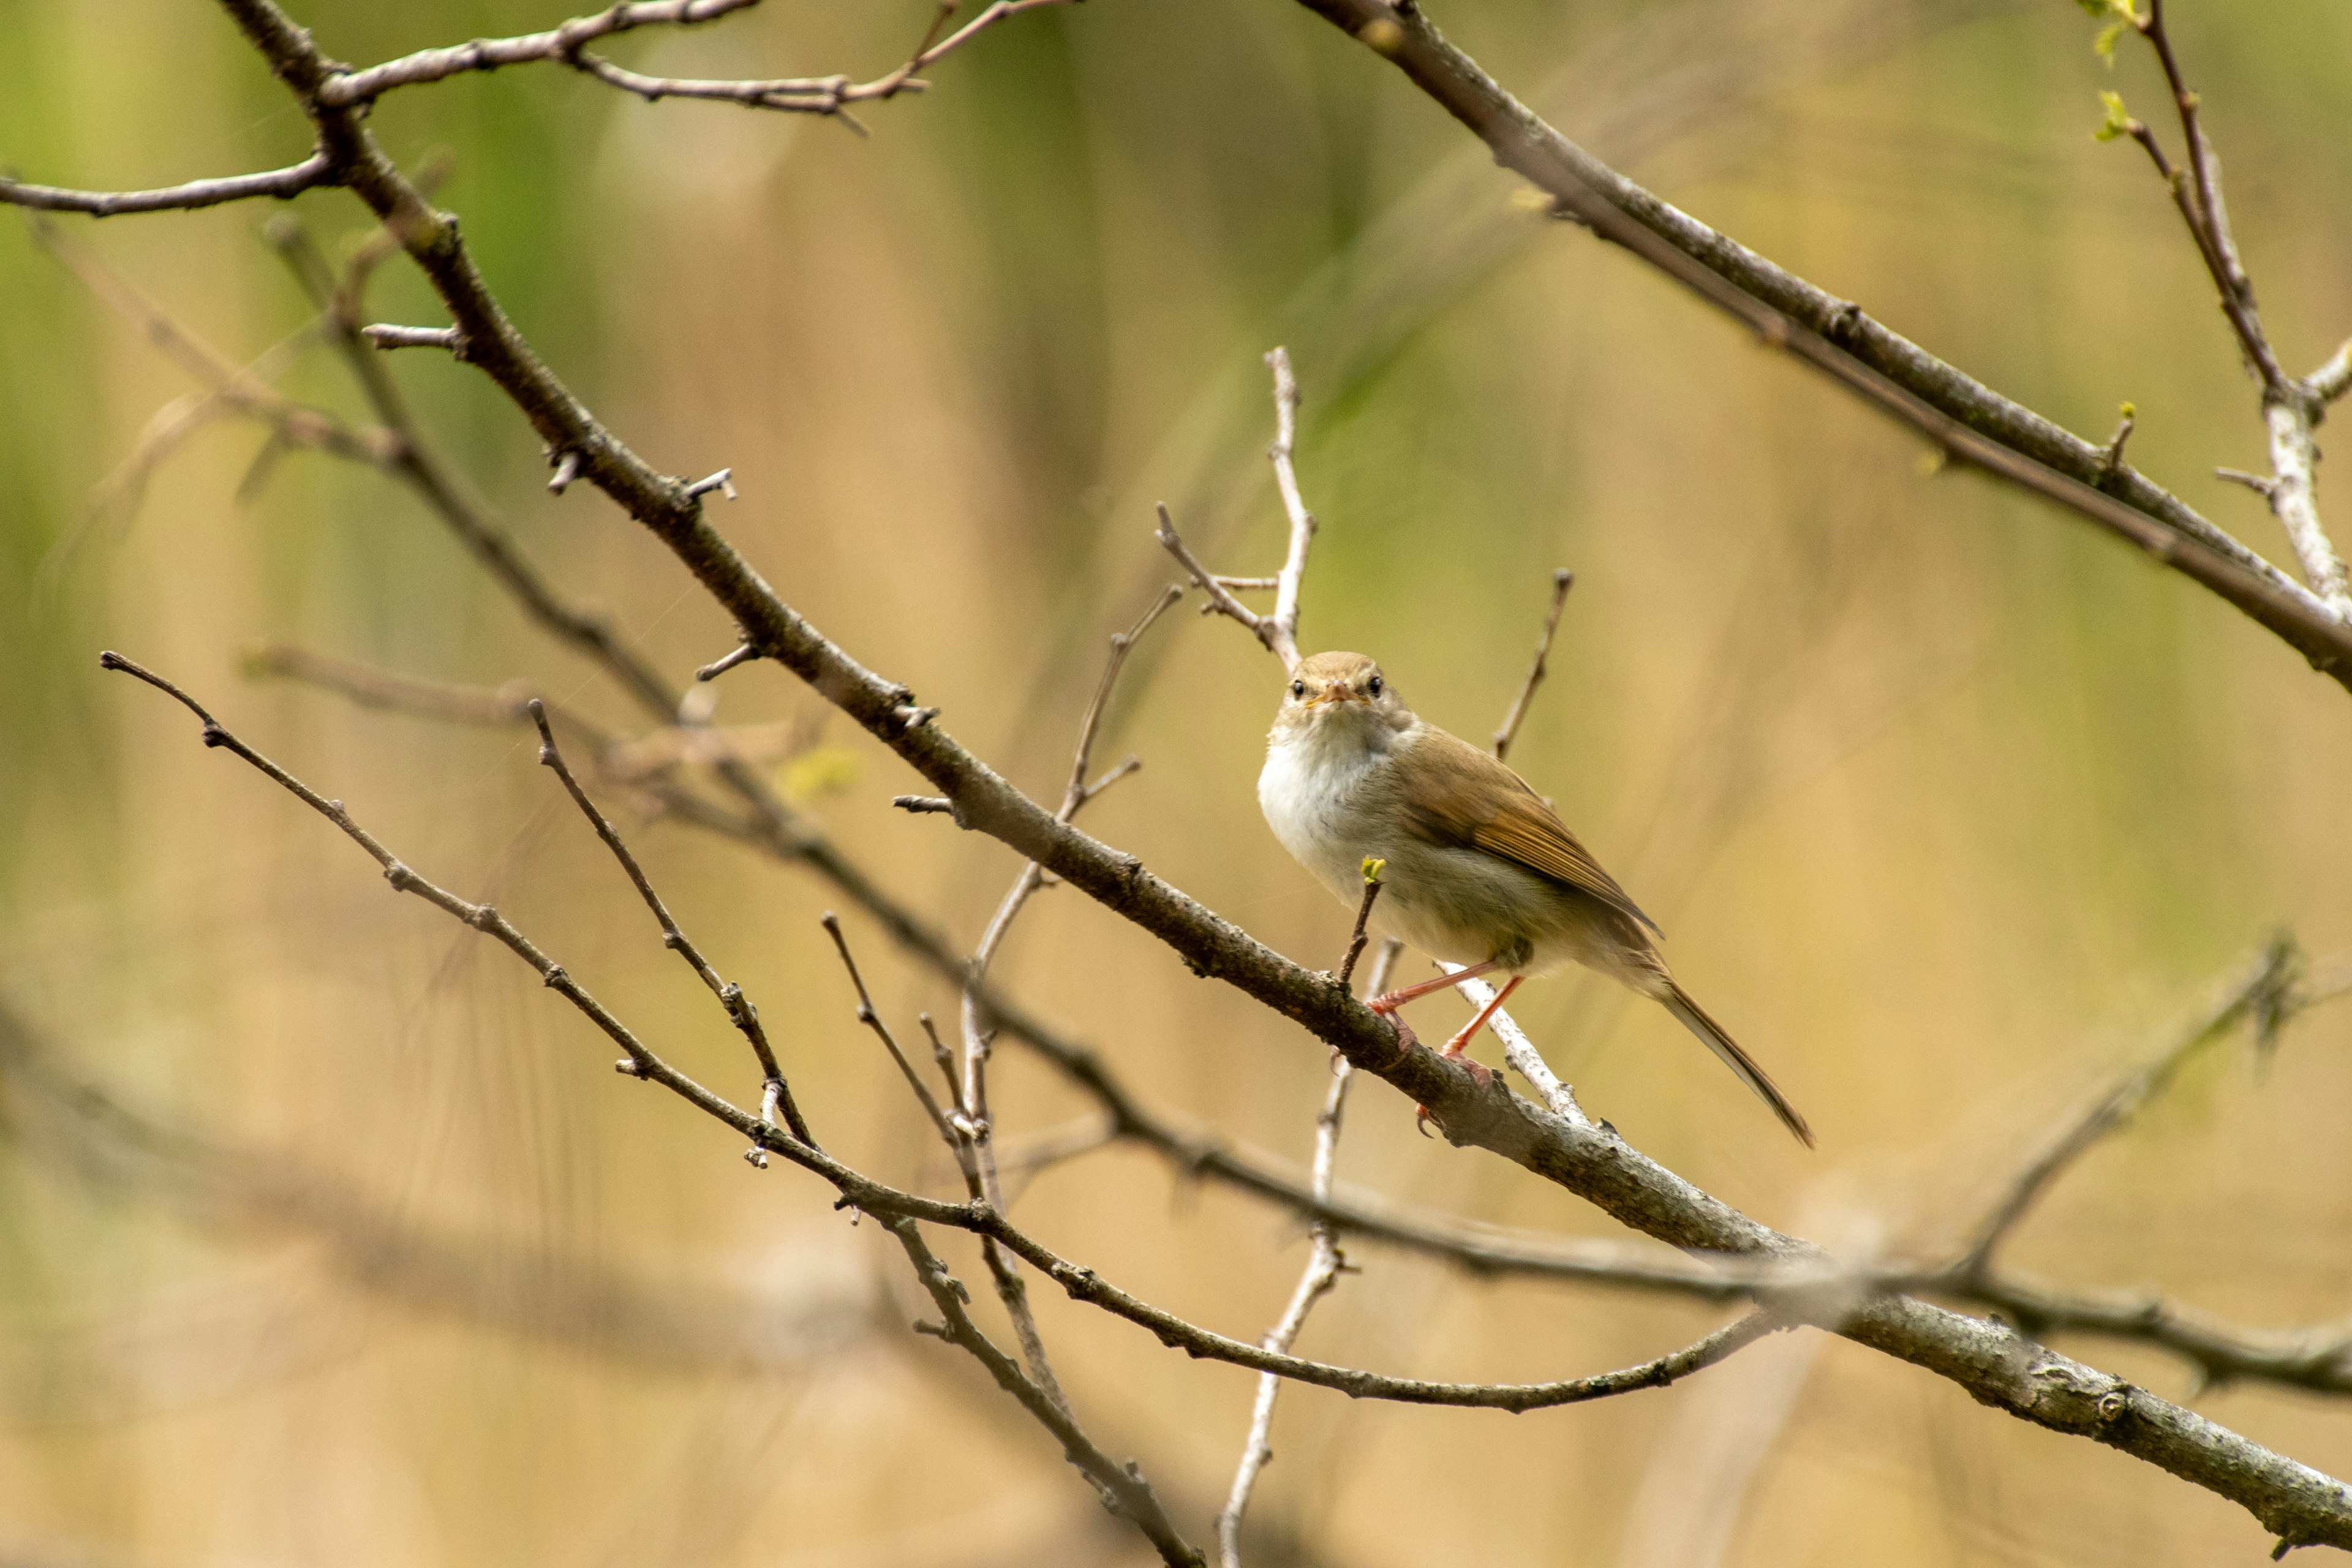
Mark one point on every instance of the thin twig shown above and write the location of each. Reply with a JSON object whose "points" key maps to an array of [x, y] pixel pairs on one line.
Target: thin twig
{"points": [[1124, 1483], [897, 1209], [386, 335], [739, 1007], [871, 1017], [284, 185], [1562, 580], [2210, 218], [1357, 938], [725, 662], [2291, 409], [1324, 1262], [2333, 379], [976, 1126], [2261, 993], [1283, 454]]}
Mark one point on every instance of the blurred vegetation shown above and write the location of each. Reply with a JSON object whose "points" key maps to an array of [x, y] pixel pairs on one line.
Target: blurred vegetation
{"points": [[1944, 801]]}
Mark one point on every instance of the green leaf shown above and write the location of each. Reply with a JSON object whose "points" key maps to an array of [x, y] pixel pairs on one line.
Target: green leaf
{"points": [[2118, 121], [1373, 867], [2103, 45]]}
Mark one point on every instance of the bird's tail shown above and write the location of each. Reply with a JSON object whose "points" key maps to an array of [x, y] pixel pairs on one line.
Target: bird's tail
{"points": [[1711, 1034]]}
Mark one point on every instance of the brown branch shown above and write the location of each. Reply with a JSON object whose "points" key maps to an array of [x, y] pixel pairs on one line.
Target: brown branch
{"points": [[283, 184], [975, 1126], [567, 44], [1124, 1483], [739, 1007], [1357, 938], [2291, 409], [899, 1210], [2209, 219], [1324, 1260], [1562, 580], [1992, 1363], [2261, 993], [1278, 630], [871, 1017], [1969, 421], [350, 88]]}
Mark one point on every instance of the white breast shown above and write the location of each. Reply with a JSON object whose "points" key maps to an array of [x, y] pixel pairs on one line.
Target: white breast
{"points": [[1305, 790]]}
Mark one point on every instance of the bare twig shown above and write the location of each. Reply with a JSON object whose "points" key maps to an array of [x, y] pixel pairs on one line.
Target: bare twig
{"points": [[1324, 1262], [723, 481], [2261, 993], [1283, 455], [1562, 580], [1968, 420], [2333, 379], [2112, 464], [2210, 217], [1123, 1483], [284, 185], [871, 1017], [725, 662], [897, 1209], [385, 335], [2291, 409], [976, 1127], [488, 54], [568, 45], [1278, 629], [739, 1010], [1357, 938], [1991, 1361], [1520, 1052]]}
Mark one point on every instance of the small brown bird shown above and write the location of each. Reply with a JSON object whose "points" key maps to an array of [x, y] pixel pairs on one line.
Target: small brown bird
{"points": [[1479, 870]]}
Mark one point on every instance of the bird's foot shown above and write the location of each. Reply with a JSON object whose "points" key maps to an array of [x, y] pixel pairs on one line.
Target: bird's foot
{"points": [[1480, 1074]]}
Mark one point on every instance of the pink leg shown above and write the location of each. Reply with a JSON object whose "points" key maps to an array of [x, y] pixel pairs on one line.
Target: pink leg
{"points": [[1388, 1002], [1453, 1047]]}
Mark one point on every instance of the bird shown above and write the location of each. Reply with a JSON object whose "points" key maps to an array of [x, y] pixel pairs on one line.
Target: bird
{"points": [[1479, 870]]}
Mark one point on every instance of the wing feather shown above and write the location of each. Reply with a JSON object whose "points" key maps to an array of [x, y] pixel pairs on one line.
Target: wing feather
{"points": [[1471, 799]]}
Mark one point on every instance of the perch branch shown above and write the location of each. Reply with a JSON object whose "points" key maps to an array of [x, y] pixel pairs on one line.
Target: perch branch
{"points": [[1994, 1363]]}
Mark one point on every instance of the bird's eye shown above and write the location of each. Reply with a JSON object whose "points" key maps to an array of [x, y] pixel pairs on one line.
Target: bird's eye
{"points": [[1298, 688], [1375, 686]]}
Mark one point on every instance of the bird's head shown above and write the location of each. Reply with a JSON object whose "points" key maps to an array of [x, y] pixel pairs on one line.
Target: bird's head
{"points": [[1338, 693]]}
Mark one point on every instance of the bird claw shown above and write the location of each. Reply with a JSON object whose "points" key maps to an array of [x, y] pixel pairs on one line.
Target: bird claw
{"points": [[1480, 1074]]}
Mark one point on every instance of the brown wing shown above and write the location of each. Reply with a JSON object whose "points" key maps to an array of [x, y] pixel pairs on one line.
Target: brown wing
{"points": [[1461, 796]]}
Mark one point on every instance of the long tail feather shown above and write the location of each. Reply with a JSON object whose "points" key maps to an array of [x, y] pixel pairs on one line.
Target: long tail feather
{"points": [[1711, 1034]]}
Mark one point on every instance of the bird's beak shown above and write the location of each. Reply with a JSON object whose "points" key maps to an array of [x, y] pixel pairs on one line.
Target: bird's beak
{"points": [[1331, 695]]}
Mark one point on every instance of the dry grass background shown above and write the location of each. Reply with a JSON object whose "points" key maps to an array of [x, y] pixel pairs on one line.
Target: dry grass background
{"points": [[1945, 802]]}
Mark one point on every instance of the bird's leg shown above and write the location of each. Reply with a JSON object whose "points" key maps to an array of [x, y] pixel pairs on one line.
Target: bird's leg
{"points": [[1455, 1046], [1390, 1001]]}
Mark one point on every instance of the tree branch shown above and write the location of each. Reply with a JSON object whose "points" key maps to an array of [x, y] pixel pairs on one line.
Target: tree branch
{"points": [[739, 1008], [284, 185], [1968, 420], [1562, 580], [2291, 409], [1993, 1362], [1278, 630], [1324, 1260]]}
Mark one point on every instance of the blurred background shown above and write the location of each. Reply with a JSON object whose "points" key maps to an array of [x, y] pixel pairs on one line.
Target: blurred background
{"points": [[327, 1234]]}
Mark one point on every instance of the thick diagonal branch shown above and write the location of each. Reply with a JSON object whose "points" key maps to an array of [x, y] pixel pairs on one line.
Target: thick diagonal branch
{"points": [[1994, 1363], [1972, 422]]}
